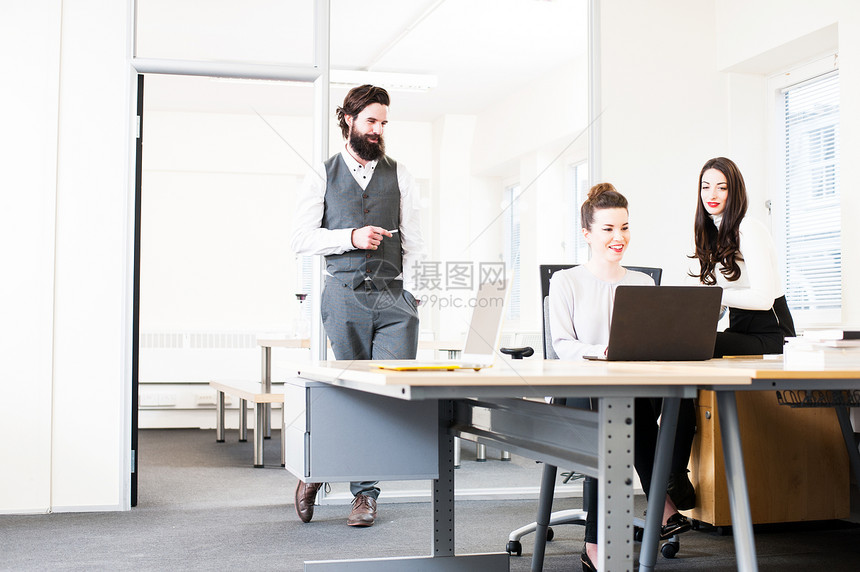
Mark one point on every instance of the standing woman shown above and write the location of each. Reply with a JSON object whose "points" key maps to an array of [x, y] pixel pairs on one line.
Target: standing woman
{"points": [[581, 300], [737, 253]]}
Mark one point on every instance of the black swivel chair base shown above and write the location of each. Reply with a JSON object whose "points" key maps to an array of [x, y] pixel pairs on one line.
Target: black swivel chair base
{"points": [[547, 519]]}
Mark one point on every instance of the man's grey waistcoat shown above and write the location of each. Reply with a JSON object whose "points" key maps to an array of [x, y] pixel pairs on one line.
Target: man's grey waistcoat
{"points": [[347, 206]]}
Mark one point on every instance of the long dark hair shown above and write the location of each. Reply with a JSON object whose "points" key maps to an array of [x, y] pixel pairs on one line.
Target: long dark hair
{"points": [[600, 196], [720, 245], [356, 100]]}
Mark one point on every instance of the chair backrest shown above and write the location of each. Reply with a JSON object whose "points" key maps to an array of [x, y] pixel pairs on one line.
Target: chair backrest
{"points": [[546, 272], [655, 273]]}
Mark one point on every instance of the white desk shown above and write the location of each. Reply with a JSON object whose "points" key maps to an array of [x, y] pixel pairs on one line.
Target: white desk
{"points": [[765, 374], [769, 374], [266, 344], [488, 406]]}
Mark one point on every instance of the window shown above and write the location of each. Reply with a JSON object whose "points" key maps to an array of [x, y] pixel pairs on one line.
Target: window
{"points": [[811, 217], [512, 246], [576, 249]]}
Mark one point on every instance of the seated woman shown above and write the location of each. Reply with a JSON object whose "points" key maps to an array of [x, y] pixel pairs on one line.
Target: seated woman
{"points": [[737, 253], [580, 306]]}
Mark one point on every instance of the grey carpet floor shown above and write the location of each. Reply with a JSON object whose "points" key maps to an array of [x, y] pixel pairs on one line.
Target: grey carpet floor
{"points": [[203, 507]]}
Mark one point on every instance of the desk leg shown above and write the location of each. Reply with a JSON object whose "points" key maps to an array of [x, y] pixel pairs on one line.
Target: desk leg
{"points": [[243, 420], [443, 487], [615, 474], [219, 416], [659, 479], [267, 388], [848, 435], [284, 437], [739, 503], [480, 453], [258, 435]]}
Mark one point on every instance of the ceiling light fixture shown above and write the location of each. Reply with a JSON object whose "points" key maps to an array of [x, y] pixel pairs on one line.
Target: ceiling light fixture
{"points": [[389, 80], [351, 78]]}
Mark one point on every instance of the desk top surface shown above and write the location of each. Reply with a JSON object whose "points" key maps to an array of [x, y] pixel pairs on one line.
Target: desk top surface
{"points": [[728, 371], [530, 372], [769, 367]]}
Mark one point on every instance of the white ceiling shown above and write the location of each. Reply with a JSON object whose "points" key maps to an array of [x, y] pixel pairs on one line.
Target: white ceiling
{"points": [[480, 50]]}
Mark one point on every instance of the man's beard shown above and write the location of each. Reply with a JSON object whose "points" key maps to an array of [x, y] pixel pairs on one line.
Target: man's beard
{"points": [[367, 150]]}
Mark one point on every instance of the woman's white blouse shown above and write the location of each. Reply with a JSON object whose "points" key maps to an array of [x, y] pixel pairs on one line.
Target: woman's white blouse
{"points": [[580, 310], [759, 284]]}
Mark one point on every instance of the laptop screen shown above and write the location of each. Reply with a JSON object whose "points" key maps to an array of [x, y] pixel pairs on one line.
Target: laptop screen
{"points": [[485, 327], [666, 323]]}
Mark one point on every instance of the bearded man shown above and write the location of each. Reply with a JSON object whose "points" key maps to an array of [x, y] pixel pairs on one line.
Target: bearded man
{"points": [[359, 210]]}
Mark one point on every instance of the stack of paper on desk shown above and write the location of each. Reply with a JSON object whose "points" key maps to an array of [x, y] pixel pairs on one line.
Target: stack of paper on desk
{"points": [[819, 349]]}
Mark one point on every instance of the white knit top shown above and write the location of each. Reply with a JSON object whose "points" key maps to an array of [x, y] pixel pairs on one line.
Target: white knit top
{"points": [[580, 310], [759, 284]]}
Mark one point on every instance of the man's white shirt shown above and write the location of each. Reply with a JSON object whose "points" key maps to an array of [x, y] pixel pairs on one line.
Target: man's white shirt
{"points": [[309, 238]]}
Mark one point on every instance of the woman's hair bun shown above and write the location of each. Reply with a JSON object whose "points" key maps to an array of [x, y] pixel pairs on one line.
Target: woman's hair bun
{"points": [[600, 196], [599, 189]]}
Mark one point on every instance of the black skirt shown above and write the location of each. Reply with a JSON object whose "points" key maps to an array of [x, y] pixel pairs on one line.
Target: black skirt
{"points": [[756, 332]]}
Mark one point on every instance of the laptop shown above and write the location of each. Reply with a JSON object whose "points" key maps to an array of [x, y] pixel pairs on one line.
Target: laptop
{"points": [[663, 323], [482, 339]]}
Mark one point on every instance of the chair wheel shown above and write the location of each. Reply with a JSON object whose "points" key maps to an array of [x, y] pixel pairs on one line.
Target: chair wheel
{"points": [[549, 534], [669, 550], [514, 548], [638, 533]]}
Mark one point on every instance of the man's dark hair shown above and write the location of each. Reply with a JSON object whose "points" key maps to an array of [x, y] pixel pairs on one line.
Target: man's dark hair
{"points": [[356, 100]]}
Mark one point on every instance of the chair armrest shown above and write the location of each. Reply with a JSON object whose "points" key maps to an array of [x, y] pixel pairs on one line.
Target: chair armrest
{"points": [[518, 353]]}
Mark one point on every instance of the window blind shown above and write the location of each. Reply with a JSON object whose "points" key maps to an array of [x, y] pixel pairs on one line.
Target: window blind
{"points": [[579, 192], [813, 250]]}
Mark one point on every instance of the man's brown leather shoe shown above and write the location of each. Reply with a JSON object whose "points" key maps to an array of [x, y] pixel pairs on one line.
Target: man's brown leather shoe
{"points": [[363, 511], [306, 496]]}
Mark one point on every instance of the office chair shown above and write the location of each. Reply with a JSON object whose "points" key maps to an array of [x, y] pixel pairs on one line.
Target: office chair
{"points": [[546, 518]]}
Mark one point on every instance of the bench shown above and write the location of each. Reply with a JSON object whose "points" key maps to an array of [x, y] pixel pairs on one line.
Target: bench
{"points": [[246, 391]]}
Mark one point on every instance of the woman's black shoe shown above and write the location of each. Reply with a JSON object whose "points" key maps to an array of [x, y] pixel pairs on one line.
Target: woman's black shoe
{"points": [[681, 491], [676, 524], [587, 564]]}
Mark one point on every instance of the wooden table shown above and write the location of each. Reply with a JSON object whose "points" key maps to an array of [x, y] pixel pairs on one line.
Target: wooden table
{"points": [[246, 391], [266, 344]]}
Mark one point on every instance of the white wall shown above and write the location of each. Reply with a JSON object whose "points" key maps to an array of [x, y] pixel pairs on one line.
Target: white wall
{"points": [[92, 292], [219, 193], [768, 38], [692, 85], [28, 168], [665, 113], [530, 137], [218, 196], [67, 368]]}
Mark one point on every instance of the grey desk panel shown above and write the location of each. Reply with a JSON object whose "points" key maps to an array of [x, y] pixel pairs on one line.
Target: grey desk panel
{"points": [[558, 435], [415, 393], [340, 435]]}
